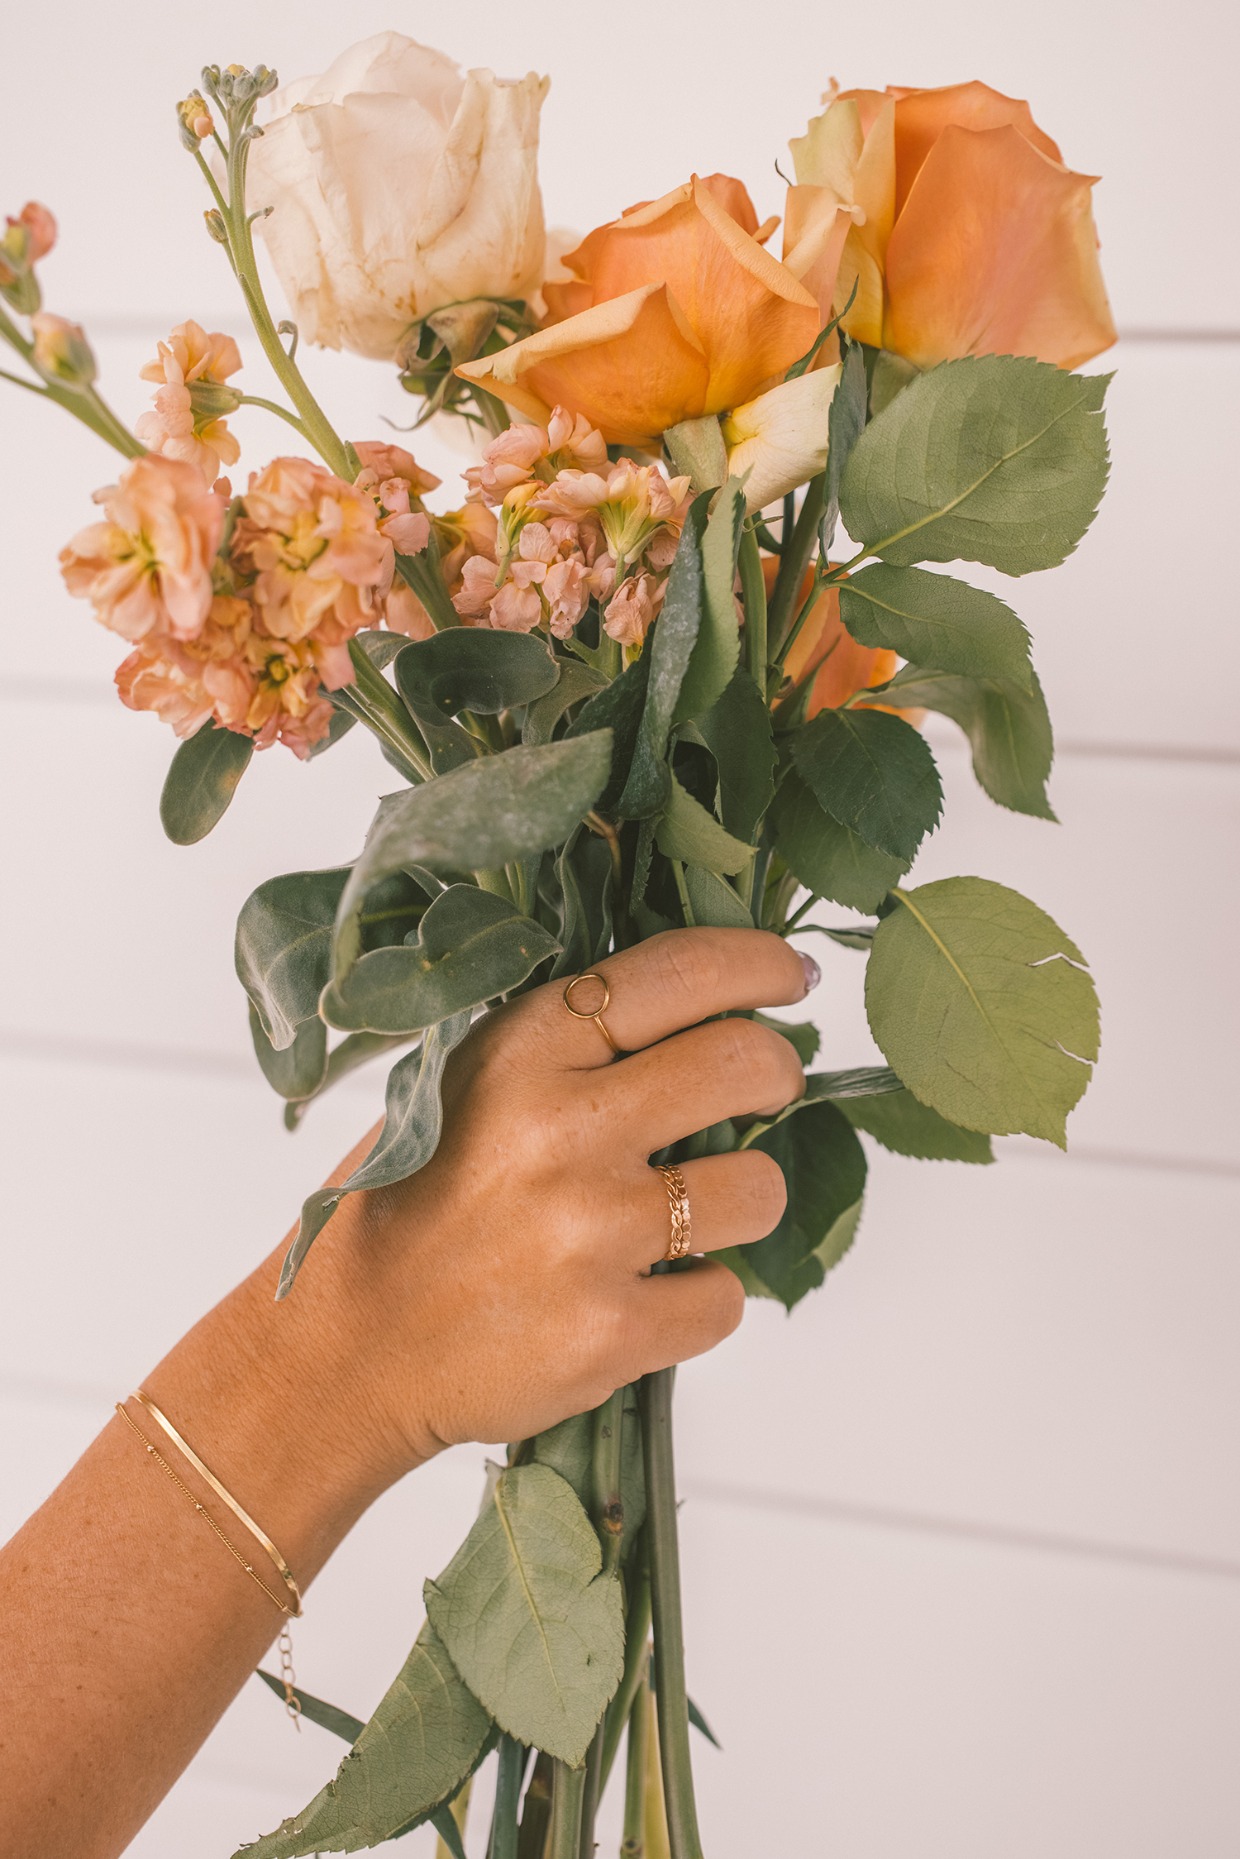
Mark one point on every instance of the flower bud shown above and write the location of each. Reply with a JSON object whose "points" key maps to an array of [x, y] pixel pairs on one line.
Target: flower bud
{"points": [[61, 353], [194, 119], [23, 243], [213, 219]]}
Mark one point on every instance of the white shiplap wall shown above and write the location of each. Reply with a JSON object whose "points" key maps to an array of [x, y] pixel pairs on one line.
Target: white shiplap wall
{"points": [[963, 1541]]}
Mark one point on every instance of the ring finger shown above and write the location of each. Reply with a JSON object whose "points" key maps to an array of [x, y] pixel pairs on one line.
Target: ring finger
{"points": [[733, 1200]]}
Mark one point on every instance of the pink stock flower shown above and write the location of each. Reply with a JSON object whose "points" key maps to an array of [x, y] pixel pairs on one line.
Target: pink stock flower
{"points": [[631, 502], [187, 421], [632, 607], [313, 547], [147, 568], [522, 452]]}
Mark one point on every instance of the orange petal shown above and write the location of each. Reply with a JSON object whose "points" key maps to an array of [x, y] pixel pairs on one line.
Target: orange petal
{"points": [[996, 253], [846, 667], [629, 365], [566, 297], [923, 115]]}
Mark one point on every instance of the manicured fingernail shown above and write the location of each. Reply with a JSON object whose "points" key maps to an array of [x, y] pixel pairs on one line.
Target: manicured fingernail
{"points": [[813, 974]]}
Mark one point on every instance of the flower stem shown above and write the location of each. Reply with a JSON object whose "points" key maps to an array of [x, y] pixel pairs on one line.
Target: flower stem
{"points": [[636, 1653], [508, 1777], [375, 703], [753, 594], [608, 1503], [567, 1790], [590, 1796], [795, 559], [633, 1842], [661, 1534], [273, 406], [85, 403]]}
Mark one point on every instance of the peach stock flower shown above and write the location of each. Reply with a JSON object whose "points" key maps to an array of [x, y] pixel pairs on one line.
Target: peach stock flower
{"points": [[147, 567], [674, 310], [957, 221], [312, 547], [187, 421]]}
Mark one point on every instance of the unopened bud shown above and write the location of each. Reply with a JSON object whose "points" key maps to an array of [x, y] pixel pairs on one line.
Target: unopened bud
{"points": [[61, 353], [194, 119], [213, 220], [24, 241]]}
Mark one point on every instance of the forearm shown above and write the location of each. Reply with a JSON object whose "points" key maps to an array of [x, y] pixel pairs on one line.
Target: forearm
{"points": [[126, 1627]]}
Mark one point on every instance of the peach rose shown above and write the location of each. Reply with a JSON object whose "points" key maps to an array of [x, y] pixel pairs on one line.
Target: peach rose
{"points": [[957, 222], [674, 310], [148, 567]]}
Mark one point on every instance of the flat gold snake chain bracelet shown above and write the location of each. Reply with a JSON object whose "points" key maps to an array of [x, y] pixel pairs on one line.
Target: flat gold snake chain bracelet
{"points": [[242, 1516]]}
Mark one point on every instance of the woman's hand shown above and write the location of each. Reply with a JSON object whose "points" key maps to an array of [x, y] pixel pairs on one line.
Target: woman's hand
{"points": [[507, 1285]]}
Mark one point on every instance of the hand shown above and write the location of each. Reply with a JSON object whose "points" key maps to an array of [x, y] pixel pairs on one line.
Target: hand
{"points": [[507, 1285]]}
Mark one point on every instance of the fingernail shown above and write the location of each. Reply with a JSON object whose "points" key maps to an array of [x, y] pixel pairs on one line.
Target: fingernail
{"points": [[813, 974]]}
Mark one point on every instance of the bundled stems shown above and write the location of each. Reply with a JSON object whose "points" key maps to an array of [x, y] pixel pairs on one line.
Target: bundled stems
{"points": [[661, 1538], [636, 1648], [795, 560], [508, 1777], [567, 1793]]}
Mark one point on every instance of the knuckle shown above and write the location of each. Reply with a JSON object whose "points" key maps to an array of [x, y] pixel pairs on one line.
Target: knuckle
{"points": [[764, 1059], [683, 966], [727, 1301], [763, 1188]]}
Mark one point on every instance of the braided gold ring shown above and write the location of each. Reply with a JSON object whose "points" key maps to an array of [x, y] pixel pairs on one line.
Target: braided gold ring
{"points": [[678, 1201], [593, 1013]]}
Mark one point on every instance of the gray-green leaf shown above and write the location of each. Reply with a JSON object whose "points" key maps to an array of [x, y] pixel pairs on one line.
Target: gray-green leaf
{"points": [[530, 1622], [471, 946], [297, 1071], [829, 859], [413, 1120], [686, 831], [201, 781], [936, 621], [737, 731], [714, 903], [426, 1736], [669, 648], [994, 458], [984, 1007], [1009, 731], [717, 648], [874, 774], [283, 947]]}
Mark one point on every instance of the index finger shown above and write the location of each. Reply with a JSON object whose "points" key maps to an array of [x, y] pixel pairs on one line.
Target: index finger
{"points": [[672, 982]]}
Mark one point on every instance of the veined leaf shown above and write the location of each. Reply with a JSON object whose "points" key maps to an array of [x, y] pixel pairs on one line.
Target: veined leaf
{"points": [[670, 648], [201, 781], [1009, 731], [900, 1123], [283, 948], [477, 668], [569, 1450], [824, 1167], [737, 731], [412, 1122], [426, 1737], [845, 425], [715, 903], [874, 774], [994, 459], [984, 1007], [470, 946], [619, 707], [316, 1710], [829, 860], [529, 1620], [481, 817], [686, 831], [717, 648], [937, 622]]}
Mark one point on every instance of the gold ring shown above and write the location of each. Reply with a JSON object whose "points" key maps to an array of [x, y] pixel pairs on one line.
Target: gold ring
{"points": [[595, 1013], [678, 1201]]}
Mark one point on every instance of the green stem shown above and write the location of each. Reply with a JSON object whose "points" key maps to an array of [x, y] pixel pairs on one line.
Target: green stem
{"points": [[636, 1653], [590, 1796], [682, 892], [532, 1841], [753, 596], [376, 704], [85, 404], [795, 558], [422, 574], [633, 1842], [564, 1833], [459, 1811], [273, 406], [661, 1534], [508, 1777], [608, 1503]]}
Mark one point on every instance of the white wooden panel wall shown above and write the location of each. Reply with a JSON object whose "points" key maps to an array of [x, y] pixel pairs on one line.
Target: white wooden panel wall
{"points": [[963, 1538]]}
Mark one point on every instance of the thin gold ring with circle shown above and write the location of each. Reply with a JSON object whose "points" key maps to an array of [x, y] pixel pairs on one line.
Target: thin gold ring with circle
{"points": [[595, 1013], [678, 1202]]}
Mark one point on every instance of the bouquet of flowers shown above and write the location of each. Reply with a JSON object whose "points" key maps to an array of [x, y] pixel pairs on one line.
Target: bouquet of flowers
{"points": [[662, 663]]}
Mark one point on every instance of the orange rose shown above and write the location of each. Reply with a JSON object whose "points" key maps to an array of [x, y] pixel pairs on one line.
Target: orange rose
{"points": [[674, 310], [956, 219]]}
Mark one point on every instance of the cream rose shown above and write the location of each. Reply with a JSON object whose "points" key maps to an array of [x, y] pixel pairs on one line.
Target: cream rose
{"points": [[396, 186]]}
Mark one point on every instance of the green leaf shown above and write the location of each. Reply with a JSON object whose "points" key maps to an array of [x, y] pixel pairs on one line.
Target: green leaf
{"points": [[828, 859], [859, 938], [283, 948], [1009, 731], [530, 1622], [936, 621], [569, 1450], [428, 1734], [802, 1035], [836, 1087], [412, 1122], [717, 648], [619, 707], [686, 831], [824, 1167], [994, 459], [737, 731], [477, 818], [900, 1123], [314, 1710], [297, 1071], [476, 668], [201, 781], [444, 1823], [984, 1007], [584, 870], [470, 947], [715, 904], [670, 648], [873, 773], [576, 682], [345, 1057], [845, 425]]}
